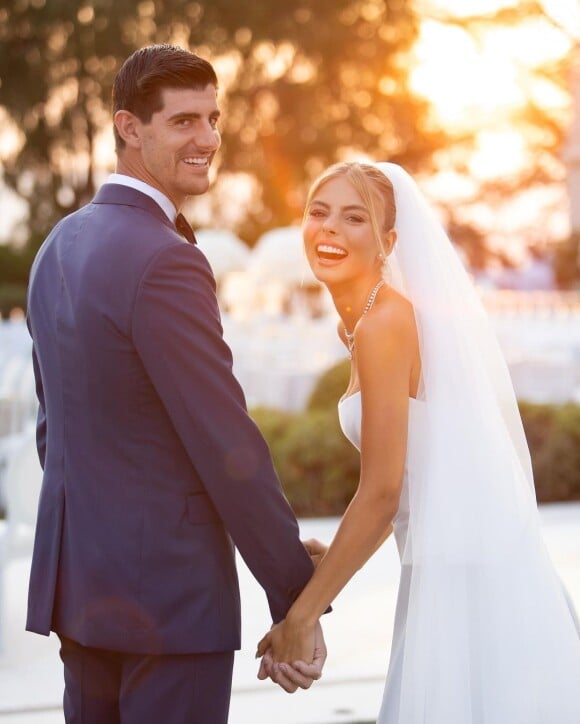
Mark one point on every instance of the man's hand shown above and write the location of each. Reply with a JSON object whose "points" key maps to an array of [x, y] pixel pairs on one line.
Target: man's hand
{"points": [[300, 674], [316, 550]]}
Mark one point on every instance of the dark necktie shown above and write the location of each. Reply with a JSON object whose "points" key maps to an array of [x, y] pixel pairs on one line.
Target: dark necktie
{"points": [[184, 228]]}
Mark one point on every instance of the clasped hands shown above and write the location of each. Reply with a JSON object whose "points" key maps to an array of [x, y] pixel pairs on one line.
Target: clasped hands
{"points": [[293, 651]]}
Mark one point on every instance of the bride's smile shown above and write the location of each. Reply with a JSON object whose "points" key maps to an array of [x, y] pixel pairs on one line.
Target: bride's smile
{"points": [[331, 252]]}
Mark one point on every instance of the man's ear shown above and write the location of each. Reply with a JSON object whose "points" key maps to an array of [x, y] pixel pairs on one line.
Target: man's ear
{"points": [[128, 127]]}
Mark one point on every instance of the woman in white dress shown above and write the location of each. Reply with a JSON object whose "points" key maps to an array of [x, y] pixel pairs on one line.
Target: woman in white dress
{"points": [[484, 632]]}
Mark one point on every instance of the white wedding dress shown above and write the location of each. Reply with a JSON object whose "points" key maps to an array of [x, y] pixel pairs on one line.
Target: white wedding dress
{"points": [[516, 662]]}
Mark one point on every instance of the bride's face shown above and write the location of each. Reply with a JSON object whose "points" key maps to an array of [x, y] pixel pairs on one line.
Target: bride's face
{"points": [[338, 234]]}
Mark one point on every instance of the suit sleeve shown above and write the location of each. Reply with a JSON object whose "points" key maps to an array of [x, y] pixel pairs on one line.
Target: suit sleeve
{"points": [[178, 335]]}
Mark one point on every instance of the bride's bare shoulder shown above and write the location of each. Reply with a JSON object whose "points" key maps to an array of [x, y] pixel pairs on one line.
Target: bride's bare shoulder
{"points": [[392, 318]]}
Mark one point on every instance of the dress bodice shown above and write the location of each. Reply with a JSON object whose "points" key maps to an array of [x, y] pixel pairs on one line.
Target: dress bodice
{"points": [[350, 416]]}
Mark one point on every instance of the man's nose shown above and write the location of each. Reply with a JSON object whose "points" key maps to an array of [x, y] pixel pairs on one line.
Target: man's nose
{"points": [[209, 138]]}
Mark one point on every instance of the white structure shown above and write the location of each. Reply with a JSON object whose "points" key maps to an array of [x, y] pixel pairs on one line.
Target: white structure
{"points": [[224, 250], [279, 256], [22, 479]]}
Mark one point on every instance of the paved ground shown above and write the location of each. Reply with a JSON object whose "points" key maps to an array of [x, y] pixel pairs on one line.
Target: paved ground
{"points": [[357, 634]]}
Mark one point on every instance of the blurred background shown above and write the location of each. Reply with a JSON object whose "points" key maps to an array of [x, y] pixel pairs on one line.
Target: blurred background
{"points": [[478, 99]]}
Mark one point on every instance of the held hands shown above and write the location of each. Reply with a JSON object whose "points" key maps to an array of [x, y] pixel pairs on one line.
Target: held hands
{"points": [[316, 550], [290, 641], [293, 652], [287, 670]]}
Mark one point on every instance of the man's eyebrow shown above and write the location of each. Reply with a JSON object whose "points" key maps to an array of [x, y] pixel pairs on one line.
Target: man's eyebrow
{"points": [[195, 115]]}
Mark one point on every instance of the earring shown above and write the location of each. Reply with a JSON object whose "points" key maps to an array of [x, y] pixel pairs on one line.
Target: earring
{"points": [[385, 267]]}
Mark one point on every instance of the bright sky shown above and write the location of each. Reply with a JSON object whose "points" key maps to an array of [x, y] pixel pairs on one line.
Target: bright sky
{"points": [[478, 84]]}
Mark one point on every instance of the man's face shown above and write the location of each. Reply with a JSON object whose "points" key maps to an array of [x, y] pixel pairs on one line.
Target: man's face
{"points": [[179, 142]]}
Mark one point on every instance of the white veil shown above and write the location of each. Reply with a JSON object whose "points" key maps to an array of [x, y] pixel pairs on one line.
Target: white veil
{"points": [[490, 637]]}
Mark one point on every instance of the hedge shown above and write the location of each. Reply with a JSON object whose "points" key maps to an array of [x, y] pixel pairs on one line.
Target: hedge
{"points": [[553, 434], [11, 296], [319, 468]]}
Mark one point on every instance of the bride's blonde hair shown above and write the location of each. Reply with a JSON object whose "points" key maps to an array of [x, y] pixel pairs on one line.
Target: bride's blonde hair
{"points": [[371, 185]]}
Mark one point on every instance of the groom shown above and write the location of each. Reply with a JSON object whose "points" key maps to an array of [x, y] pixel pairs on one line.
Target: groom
{"points": [[153, 470]]}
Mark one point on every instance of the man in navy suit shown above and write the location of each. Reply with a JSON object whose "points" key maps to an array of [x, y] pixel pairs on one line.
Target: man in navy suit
{"points": [[153, 470]]}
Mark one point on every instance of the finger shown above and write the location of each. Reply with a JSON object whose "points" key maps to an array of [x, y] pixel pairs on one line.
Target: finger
{"points": [[312, 545], [311, 671], [263, 645], [280, 678], [304, 682], [319, 657], [266, 665]]}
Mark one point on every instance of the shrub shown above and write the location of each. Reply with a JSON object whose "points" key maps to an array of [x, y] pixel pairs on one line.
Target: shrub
{"points": [[330, 387], [273, 425], [553, 434], [318, 467], [11, 296], [562, 453]]}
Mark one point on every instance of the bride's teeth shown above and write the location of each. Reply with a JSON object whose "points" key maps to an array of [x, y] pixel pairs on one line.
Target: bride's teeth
{"points": [[327, 249], [196, 161]]}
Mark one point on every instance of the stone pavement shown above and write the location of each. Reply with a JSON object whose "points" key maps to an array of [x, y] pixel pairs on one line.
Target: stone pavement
{"points": [[357, 635]]}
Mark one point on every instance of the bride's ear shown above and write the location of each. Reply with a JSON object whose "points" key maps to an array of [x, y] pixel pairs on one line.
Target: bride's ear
{"points": [[389, 241]]}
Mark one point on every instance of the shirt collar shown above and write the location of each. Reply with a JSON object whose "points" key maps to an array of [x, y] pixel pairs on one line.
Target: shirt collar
{"points": [[157, 196]]}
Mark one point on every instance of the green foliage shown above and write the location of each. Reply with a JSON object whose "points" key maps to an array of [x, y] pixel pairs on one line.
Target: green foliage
{"points": [[553, 434], [14, 270], [15, 263], [318, 467], [274, 425], [330, 387], [12, 296]]}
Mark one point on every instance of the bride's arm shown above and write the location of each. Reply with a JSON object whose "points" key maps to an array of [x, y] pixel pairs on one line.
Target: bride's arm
{"points": [[386, 350]]}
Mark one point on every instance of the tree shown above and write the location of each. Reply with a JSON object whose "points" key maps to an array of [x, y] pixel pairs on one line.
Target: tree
{"points": [[301, 87], [537, 121], [57, 61]]}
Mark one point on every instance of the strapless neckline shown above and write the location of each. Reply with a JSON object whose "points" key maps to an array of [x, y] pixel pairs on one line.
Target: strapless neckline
{"points": [[356, 393]]}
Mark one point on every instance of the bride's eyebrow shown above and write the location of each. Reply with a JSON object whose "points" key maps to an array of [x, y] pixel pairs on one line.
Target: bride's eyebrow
{"points": [[349, 207], [355, 207]]}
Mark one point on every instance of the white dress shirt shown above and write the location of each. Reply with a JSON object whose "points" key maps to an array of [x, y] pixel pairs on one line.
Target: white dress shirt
{"points": [[157, 196]]}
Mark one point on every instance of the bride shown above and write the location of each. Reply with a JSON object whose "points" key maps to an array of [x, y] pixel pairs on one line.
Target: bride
{"points": [[484, 633]]}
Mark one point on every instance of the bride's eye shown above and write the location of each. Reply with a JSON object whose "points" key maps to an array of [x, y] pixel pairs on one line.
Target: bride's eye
{"points": [[315, 212], [355, 219]]}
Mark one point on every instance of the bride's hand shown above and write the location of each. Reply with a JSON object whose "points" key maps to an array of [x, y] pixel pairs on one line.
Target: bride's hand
{"points": [[300, 674], [289, 641], [316, 550]]}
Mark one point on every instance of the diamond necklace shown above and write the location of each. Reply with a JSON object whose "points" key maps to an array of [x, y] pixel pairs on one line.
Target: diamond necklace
{"points": [[370, 301]]}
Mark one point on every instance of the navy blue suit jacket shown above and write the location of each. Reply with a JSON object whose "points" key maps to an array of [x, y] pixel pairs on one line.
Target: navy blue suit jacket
{"points": [[153, 469]]}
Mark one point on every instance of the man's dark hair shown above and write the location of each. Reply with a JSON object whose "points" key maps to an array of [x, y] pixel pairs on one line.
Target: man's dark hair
{"points": [[146, 73]]}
